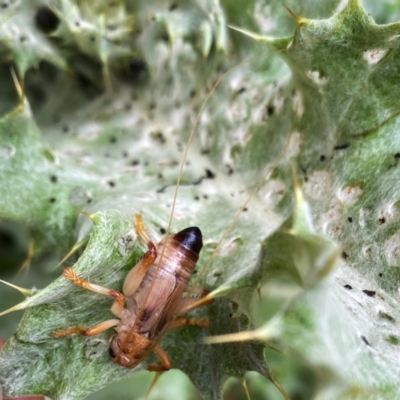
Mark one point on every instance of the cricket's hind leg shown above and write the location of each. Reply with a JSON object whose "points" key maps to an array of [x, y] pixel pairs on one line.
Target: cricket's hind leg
{"points": [[188, 304], [116, 308], [92, 331], [119, 302]]}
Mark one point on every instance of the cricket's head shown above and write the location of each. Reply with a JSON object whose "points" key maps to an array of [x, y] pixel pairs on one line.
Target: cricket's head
{"points": [[130, 349]]}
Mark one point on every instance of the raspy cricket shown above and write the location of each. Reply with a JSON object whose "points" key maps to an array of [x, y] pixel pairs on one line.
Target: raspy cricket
{"points": [[155, 295]]}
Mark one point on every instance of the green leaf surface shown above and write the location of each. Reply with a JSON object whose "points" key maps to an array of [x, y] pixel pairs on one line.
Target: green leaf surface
{"points": [[310, 268]]}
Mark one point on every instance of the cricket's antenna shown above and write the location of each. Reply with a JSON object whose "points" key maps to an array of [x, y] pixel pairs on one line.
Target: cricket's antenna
{"points": [[277, 161], [194, 128], [255, 190], [168, 230], [249, 60]]}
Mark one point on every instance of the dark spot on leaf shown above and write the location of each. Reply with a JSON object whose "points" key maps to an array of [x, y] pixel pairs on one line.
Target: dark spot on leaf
{"points": [[162, 189], [23, 38], [195, 271], [111, 183], [65, 128], [204, 152], [350, 219], [152, 105], [380, 274], [196, 197], [89, 201], [133, 72], [241, 90], [77, 24], [125, 154], [209, 174], [53, 178], [160, 176], [348, 287], [162, 231], [370, 293], [113, 139], [92, 39], [45, 19], [397, 155], [364, 339], [52, 200], [245, 209], [386, 316], [345, 255], [341, 146], [159, 136], [192, 93], [205, 196], [322, 158], [173, 6], [381, 220], [270, 110], [134, 162]]}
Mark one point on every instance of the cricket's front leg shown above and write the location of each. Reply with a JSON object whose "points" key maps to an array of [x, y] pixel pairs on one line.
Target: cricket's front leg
{"points": [[118, 305], [162, 356]]}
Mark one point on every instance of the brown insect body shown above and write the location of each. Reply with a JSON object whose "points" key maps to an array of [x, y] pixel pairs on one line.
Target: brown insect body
{"points": [[153, 293], [158, 298]]}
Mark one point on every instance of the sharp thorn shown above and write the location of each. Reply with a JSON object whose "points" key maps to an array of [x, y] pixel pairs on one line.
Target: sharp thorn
{"points": [[18, 85], [93, 217], [29, 255], [253, 35], [25, 292], [235, 337], [296, 18], [17, 307], [76, 247], [296, 184]]}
